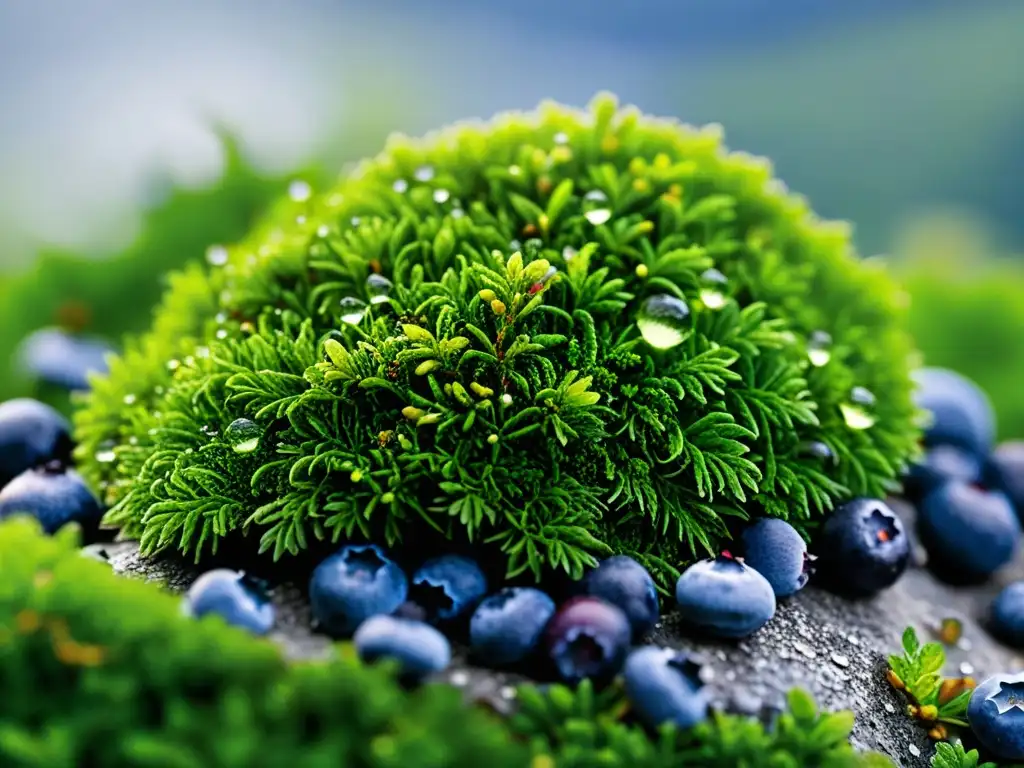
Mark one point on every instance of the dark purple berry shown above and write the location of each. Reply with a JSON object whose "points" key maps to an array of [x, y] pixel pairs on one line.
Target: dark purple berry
{"points": [[419, 649], [506, 627], [54, 495], [774, 549], [961, 413], [664, 686], [232, 596], [448, 587], [863, 548], [1007, 615], [724, 597], [349, 587], [587, 638], [996, 715], [31, 434]]}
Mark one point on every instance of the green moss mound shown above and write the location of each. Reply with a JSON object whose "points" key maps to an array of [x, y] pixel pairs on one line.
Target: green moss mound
{"points": [[557, 335]]}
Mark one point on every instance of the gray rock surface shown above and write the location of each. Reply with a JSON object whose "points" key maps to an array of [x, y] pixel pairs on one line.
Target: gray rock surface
{"points": [[835, 648]]}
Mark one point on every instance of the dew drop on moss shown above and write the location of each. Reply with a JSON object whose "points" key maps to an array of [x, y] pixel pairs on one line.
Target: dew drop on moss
{"points": [[664, 321], [106, 456], [561, 138], [595, 207], [129, 399], [711, 294], [819, 349], [441, 196], [222, 334], [424, 173], [378, 288], [857, 413], [598, 216], [352, 310], [401, 186], [243, 435], [217, 255], [299, 191]]}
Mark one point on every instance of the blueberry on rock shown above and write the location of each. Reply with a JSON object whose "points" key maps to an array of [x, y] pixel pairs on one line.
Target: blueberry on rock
{"points": [[448, 587], [232, 596], [864, 548], [626, 584], [31, 434], [54, 495], [940, 464], [419, 648], [961, 412], [1006, 619], [587, 637], [724, 597], [506, 627], [773, 548], [664, 686], [354, 584], [970, 533], [996, 715], [1004, 471]]}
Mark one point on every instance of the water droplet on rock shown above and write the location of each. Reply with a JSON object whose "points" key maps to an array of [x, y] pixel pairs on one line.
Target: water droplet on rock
{"points": [[819, 349], [966, 669], [664, 321], [459, 679], [243, 435], [378, 288], [840, 661], [914, 750], [352, 310]]}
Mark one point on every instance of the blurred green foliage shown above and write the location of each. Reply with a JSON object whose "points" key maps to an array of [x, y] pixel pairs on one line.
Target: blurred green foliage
{"points": [[967, 310]]}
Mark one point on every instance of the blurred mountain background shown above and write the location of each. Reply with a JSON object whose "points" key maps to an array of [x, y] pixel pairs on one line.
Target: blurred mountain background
{"points": [[137, 132]]}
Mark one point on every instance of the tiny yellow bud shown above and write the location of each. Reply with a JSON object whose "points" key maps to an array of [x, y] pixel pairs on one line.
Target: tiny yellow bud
{"points": [[641, 185], [609, 143], [387, 498], [498, 307], [929, 713], [544, 185], [641, 271], [356, 476], [481, 391], [413, 413], [662, 161], [676, 190], [492, 439], [488, 295], [430, 418], [637, 166], [426, 367], [561, 154]]}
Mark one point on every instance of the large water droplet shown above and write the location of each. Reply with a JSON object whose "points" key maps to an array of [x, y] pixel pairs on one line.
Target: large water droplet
{"points": [[299, 191], [424, 173], [595, 207], [819, 348], [352, 310], [561, 137], [243, 435], [378, 288], [130, 399], [711, 294], [222, 333], [857, 413], [217, 255], [400, 186], [664, 321], [441, 196]]}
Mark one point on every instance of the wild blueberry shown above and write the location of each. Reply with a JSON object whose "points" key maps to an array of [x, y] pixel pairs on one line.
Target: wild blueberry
{"points": [[448, 587], [31, 434], [961, 412], [354, 584], [939, 464], [969, 533], [724, 597], [418, 648], [773, 548], [664, 686], [587, 637], [53, 356], [506, 627], [1007, 616], [1004, 471], [626, 584], [54, 495], [232, 596], [996, 715], [864, 548]]}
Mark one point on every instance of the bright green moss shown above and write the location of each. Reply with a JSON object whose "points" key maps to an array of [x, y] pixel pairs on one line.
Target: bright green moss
{"points": [[447, 344]]}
